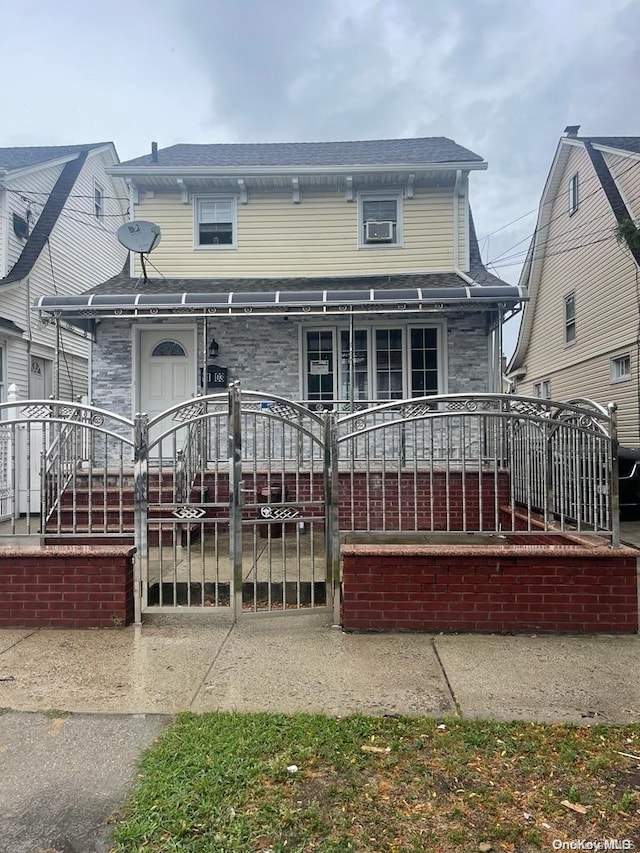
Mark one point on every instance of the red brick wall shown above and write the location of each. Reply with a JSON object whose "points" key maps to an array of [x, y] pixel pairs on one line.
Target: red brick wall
{"points": [[390, 501], [508, 588], [66, 587]]}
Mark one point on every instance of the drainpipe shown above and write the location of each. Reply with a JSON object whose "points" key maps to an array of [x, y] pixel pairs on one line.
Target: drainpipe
{"points": [[456, 231]]}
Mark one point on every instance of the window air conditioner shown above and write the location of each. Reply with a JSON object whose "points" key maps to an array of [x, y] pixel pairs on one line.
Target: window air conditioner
{"points": [[379, 232]]}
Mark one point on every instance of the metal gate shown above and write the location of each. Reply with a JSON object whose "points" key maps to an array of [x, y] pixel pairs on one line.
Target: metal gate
{"points": [[231, 505]]}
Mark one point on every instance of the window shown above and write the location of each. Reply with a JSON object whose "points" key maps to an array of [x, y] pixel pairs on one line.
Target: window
{"points": [[620, 368], [168, 348], [570, 318], [98, 201], [379, 219], [216, 222], [383, 363], [543, 389], [573, 194]]}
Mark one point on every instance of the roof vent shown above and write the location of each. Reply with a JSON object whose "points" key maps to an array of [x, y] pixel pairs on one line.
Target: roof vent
{"points": [[154, 152], [572, 129]]}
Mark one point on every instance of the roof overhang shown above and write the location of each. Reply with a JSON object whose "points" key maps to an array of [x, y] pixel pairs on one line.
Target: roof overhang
{"points": [[279, 302], [133, 171]]}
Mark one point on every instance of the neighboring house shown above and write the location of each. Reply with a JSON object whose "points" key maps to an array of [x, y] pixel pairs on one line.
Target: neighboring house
{"points": [[316, 271], [59, 210], [580, 330]]}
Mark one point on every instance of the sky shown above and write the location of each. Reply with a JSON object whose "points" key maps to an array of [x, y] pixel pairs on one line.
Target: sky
{"points": [[500, 77]]}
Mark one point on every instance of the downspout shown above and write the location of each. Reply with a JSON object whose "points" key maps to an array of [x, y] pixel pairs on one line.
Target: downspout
{"points": [[456, 232], [132, 216]]}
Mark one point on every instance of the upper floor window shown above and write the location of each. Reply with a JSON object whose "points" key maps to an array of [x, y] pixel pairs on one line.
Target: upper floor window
{"points": [[98, 201], [573, 194], [620, 368], [380, 219], [570, 318], [542, 389], [215, 222]]}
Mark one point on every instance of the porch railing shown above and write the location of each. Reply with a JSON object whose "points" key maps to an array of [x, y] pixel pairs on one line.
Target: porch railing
{"points": [[452, 463]]}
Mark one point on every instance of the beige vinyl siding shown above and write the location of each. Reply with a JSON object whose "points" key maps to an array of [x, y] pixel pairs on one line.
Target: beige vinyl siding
{"points": [[626, 171], [595, 375], [317, 237], [80, 254], [583, 257]]}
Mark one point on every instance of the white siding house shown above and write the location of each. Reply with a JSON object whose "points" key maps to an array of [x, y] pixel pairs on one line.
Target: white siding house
{"points": [[59, 211]]}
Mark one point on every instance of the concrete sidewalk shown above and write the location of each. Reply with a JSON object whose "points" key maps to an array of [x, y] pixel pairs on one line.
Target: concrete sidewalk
{"points": [[298, 662], [65, 775]]}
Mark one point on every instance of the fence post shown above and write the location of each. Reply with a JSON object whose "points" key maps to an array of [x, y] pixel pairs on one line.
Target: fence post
{"points": [[615, 486], [235, 497], [12, 449], [141, 508], [332, 517]]}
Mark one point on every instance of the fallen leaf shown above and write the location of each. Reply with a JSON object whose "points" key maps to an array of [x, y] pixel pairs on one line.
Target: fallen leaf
{"points": [[385, 750], [575, 807]]}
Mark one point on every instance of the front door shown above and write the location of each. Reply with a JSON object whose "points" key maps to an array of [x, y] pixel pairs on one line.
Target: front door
{"points": [[167, 371]]}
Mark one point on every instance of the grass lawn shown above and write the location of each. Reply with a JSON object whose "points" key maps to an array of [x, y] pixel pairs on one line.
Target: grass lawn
{"points": [[227, 782]]}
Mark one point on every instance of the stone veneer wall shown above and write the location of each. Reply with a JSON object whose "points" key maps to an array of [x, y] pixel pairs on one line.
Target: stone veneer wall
{"points": [[264, 354]]}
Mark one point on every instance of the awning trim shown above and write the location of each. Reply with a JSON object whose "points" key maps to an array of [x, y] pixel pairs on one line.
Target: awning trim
{"points": [[306, 302]]}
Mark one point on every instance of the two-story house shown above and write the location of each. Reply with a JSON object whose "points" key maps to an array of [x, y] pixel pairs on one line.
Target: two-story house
{"points": [[316, 271], [579, 332], [59, 211]]}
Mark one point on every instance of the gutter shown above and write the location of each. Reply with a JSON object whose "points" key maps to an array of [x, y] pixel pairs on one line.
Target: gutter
{"points": [[286, 171]]}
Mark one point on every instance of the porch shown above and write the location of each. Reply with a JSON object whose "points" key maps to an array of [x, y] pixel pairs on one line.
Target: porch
{"points": [[241, 500]]}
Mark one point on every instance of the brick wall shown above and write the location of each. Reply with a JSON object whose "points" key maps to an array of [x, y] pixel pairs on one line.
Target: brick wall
{"points": [[66, 587], [493, 588]]}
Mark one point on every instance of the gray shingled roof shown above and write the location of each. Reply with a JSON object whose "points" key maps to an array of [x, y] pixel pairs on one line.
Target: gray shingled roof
{"points": [[436, 149], [626, 143], [44, 226], [21, 158]]}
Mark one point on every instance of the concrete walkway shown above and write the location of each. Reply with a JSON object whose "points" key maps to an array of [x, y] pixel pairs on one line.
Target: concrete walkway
{"points": [[80, 706], [64, 775], [298, 662]]}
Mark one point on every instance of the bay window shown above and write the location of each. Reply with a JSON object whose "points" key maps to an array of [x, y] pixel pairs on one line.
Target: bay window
{"points": [[384, 363]]}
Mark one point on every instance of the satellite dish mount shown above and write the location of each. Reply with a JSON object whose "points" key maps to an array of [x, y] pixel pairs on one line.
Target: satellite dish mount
{"points": [[141, 237]]}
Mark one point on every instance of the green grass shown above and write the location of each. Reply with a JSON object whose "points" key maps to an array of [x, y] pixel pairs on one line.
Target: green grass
{"points": [[219, 782]]}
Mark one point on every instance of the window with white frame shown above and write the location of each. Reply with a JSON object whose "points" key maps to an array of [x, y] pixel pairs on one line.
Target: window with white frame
{"points": [[215, 225], [620, 367], [542, 389], [573, 194], [382, 363], [570, 318], [379, 219], [98, 201]]}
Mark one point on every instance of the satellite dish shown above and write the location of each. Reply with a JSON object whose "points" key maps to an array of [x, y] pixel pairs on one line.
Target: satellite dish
{"points": [[140, 236]]}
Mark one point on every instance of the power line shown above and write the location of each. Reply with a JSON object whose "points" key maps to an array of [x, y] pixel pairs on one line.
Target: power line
{"points": [[536, 231]]}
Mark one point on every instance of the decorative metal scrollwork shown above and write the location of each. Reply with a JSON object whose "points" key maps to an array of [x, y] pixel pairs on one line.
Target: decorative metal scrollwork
{"points": [[189, 412], [38, 412], [188, 512], [284, 411], [279, 512]]}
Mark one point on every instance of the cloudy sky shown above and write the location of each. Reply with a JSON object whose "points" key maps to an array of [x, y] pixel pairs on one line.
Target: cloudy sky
{"points": [[501, 77]]}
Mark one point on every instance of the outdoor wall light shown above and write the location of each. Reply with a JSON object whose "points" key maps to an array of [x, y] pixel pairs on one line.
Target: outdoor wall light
{"points": [[213, 348]]}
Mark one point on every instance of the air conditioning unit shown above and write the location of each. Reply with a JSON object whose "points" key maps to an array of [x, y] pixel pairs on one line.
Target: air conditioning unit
{"points": [[379, 232]]}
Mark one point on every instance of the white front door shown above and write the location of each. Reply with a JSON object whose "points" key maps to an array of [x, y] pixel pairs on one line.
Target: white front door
{"points": [[167, 371]]}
